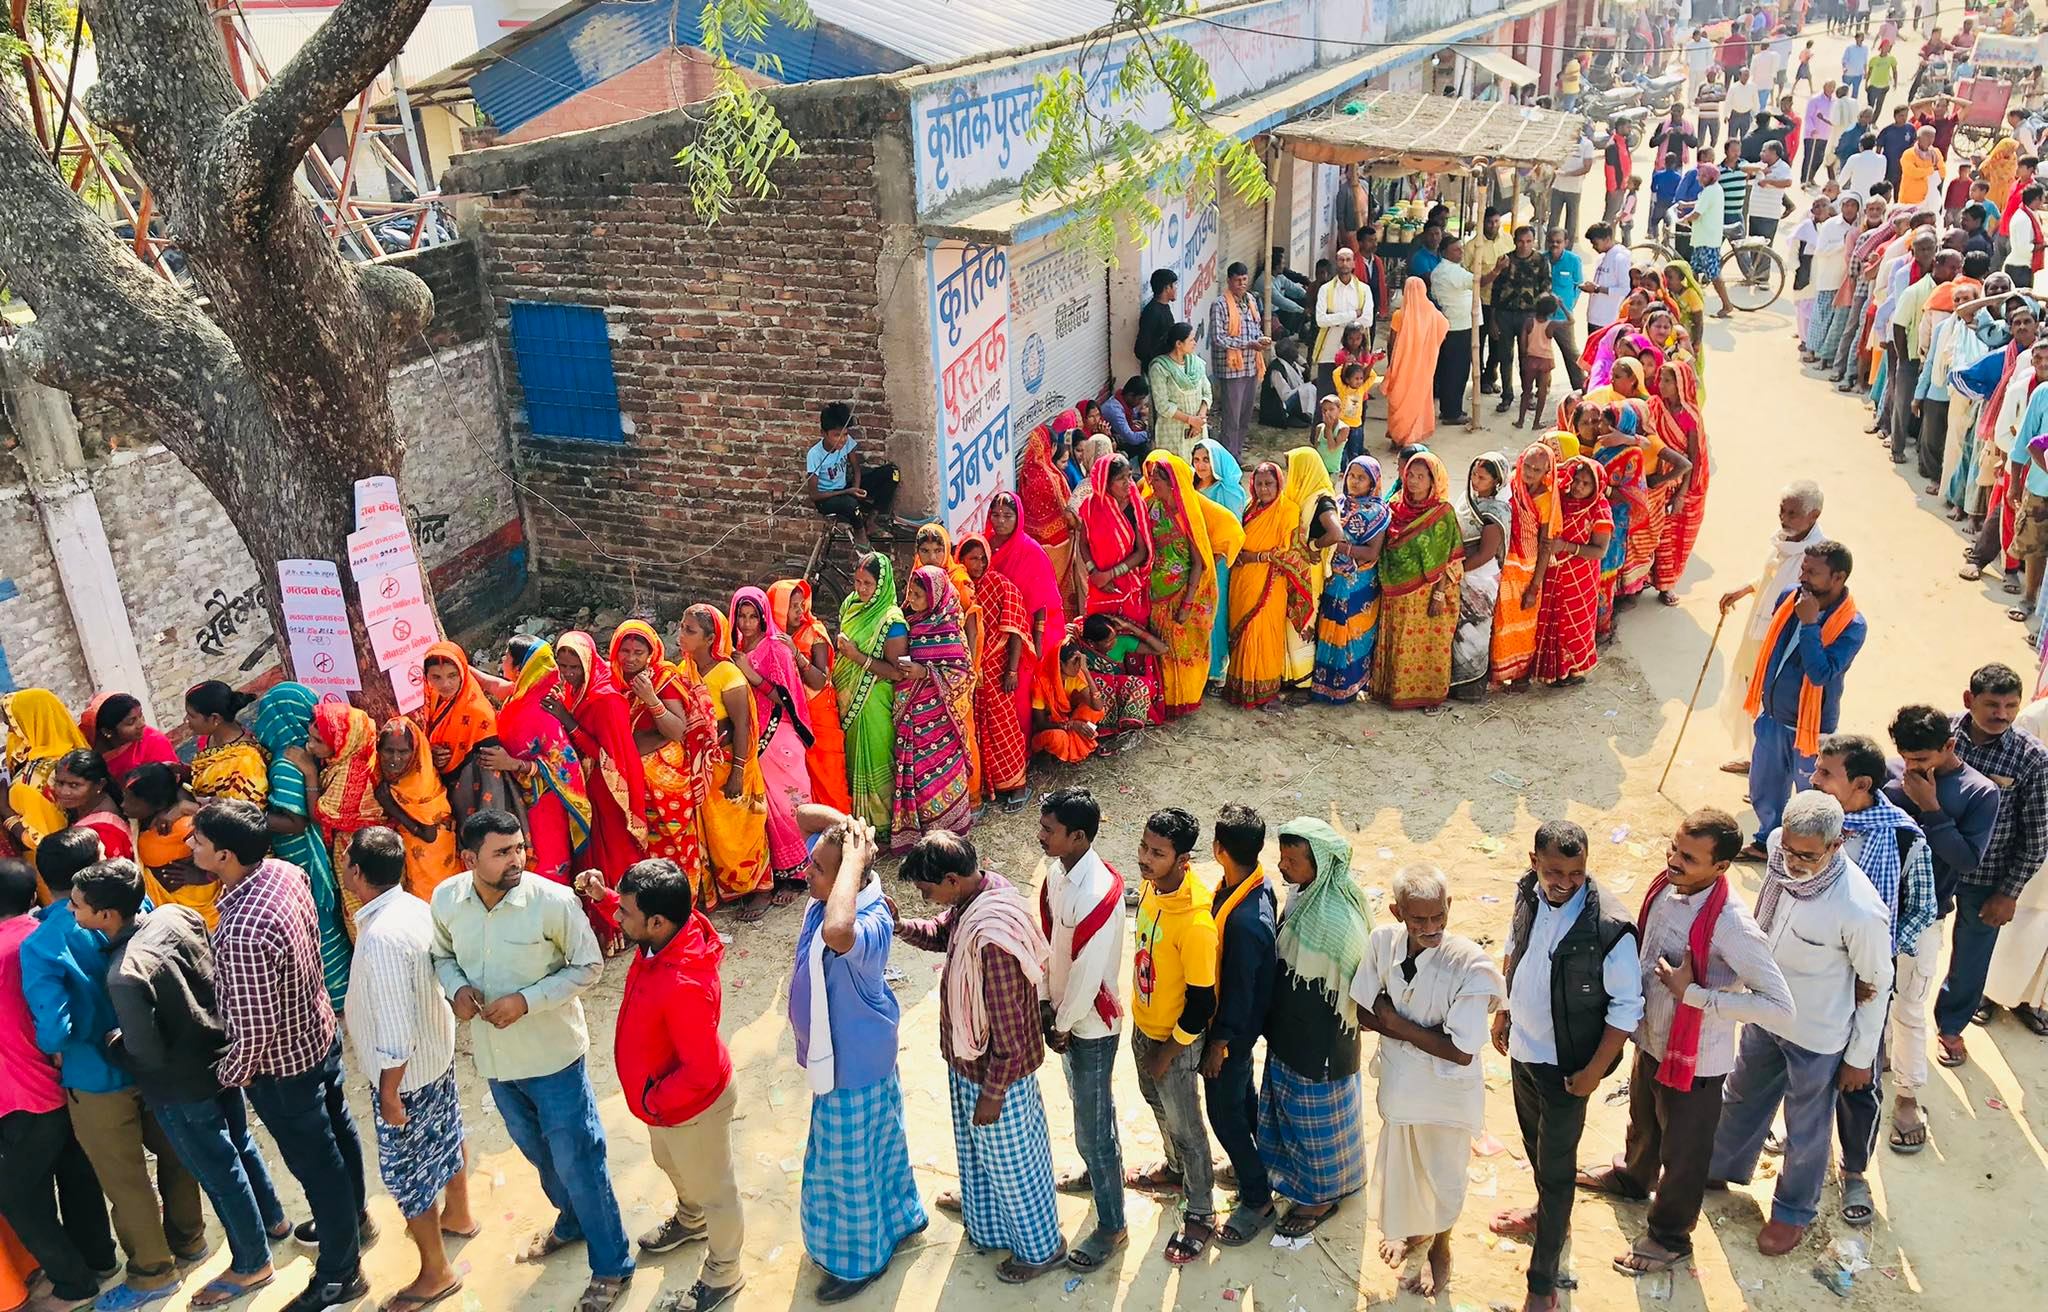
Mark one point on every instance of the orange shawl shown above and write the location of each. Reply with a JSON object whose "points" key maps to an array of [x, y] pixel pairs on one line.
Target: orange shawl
{"points": [[348, 798], [1411, 374], [460, 722], [425, 802], [1806, 739]]}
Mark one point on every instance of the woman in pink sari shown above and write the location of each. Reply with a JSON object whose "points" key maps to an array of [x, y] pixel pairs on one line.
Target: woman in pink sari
{"points": [[765, 655], [1117, 537], [537, 756], [114, 727], [1018, 557]]}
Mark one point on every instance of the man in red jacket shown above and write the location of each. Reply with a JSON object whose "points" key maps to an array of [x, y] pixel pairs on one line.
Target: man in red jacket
{"points": [[674, 1068]]}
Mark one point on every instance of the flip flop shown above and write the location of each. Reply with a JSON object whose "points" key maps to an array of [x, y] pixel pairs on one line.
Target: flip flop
{"points": [[1295, 1226], [231, 1291], [1951, 1057], [1243, 1225], [1906, 1147], [1859, 1209], [414, 1303], [1651, 1265]]}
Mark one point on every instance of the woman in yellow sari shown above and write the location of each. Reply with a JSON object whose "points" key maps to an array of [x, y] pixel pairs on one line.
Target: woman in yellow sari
{"points": [[231, 765], [415, 802], [1532, 524], [1310, 489], [39, 732], [2000, 168], [1420, 569], [1269, 592], [1190, 533], [735, 814]]}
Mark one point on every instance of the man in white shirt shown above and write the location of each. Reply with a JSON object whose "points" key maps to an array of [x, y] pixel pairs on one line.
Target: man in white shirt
{"points": [[2021, 129], [2024, 234], [1674, 1105], [1830, 267], [1773, 174], [1569, 190], [1451, 286], [1610, 279], [1741, 105], [1831, 936], [1081, 908], [1864, 169], [1765, 66], [1341, 302], [404, 1035]]}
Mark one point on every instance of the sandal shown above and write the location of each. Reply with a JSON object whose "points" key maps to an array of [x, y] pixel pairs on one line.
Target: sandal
{"points": [[1640, 1260], [1858, 1208], [1909, 1139], [1514, 1223], [1297, 1223], [416, 1303], [545, 1245], [1611, 1183], [753, 908], [1160, 1179], [222, 1291], [783, 895], [1096, 1250], [2031, 1017], [1191, 1240], [2011, 587], [2018, 614], [1012, 1272], [1970, 573], [1667, 598], [1953, 1051], [1244, 1225]]}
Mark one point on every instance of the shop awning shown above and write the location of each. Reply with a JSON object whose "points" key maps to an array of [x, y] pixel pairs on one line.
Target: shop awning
{"points": [[1501, 64], [1432, 134]]}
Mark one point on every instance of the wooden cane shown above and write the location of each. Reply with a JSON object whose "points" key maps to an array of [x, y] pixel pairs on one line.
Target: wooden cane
{"points": [[1698, 684]]}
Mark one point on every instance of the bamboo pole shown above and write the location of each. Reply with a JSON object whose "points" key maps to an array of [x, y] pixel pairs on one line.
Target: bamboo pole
{"points": [[1693, 701], [1478, 312]]}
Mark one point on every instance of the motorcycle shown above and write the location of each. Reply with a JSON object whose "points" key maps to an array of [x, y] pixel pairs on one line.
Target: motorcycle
{"points": [[1602, 105]]}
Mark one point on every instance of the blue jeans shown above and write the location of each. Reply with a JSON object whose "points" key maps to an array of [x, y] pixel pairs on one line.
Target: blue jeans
{"points": [[1776, 771], [1769, 1071], [1969, 960], [1852, 87], [553, 1120], [307, 1114], [1090, 1064], [212, 1138]]}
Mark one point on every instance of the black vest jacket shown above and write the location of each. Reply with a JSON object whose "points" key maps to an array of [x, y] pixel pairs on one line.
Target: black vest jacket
{"points": [[1578, 994]]}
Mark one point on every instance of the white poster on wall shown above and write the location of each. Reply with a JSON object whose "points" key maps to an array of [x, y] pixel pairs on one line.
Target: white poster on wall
{"points": [[377, 498], [1301, 229], [1059, 316], [1184, 240], [970, 297], [323, 655]]}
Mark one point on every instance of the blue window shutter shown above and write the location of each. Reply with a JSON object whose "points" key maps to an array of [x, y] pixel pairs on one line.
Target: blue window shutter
{"points": [[564, 356]]}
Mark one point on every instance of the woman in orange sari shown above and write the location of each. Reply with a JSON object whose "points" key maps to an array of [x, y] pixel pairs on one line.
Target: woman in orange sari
{"points": [[162, 808], [1532, 524], [1065, 708], [458, 718], [409, 790], [1419, 333], [1270, 593], [735, 815], [344, 744], [600, 727], [675, 730], [1685, 428], [999, 665], [826, 759], [1044, 493]]}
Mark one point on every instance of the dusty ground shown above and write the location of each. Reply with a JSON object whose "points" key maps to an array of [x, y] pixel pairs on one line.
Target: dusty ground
{"points": [[1960, 1222]]}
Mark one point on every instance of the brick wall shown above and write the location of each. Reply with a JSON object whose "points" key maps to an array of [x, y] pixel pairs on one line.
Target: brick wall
{"points": [[725, 340], [461, 310]]}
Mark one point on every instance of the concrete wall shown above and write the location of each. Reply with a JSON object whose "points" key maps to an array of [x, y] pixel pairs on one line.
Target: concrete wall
{"points": [[725, 338], [182, 569]]}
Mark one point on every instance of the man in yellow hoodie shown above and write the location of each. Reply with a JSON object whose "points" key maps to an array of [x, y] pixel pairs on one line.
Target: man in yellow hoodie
{"points": [[1173, 997]]}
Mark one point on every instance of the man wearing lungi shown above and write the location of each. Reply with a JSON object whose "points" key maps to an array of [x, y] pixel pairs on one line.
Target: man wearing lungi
{"points": [[404, 1037], [989, 1035], [1427, 993], [859, 1200]]}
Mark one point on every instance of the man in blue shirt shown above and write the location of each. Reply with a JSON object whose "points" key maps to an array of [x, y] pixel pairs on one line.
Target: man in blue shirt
{"points": [[1895, 139], [1797, 692], [1125, 415], [1567, 280], [64, 978], [840, 484]]}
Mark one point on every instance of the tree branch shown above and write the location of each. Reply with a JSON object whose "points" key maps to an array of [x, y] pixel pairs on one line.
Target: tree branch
{"points": [[278, 127]]}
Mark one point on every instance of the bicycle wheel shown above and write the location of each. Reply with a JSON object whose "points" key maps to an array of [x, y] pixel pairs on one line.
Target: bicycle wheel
{"points": [[1653, 253], [1754, 275]]}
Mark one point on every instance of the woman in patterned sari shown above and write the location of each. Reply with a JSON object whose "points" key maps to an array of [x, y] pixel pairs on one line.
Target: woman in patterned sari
{"points": [[1018, 557], [1620, 458], [935, 548], [1005, 639], [1269, 592], [599, 721], [1686, 428], [284, 720], [1532, 524], [230, 765], [1347, 618], [1421, 564], [675, 730], [734, 817], [1309, 487], [872, 640], [1042, 496], [766, 656], [1122, 660], [931, 743], [1118, 539], [534, 750], [1484, 522], [825, 760], [1220, 478], [342, 751], [1566, 646], [458, 718], [1183, 573]]}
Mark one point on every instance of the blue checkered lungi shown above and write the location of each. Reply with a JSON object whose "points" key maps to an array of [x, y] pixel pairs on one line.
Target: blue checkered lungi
{"points": [[1006, 1189], [418, 1159], [1311, 1135], [859, 1198]]}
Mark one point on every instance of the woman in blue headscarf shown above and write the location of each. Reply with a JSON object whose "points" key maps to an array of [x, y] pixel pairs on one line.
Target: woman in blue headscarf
{"points": [[1348, 617], [1220, 478], [284, 718]]}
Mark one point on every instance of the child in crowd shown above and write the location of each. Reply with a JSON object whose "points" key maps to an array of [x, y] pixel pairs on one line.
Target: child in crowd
{"points": [[1625, 219], [840, 487], [1354, 384], [1330, 434], [1538, 358], [1804, 73], [1354, 346], [1957, 195], [1664, 189]]}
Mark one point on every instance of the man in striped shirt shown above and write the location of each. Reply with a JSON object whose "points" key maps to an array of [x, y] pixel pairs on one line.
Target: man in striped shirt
{"points": [[404, 1038]]}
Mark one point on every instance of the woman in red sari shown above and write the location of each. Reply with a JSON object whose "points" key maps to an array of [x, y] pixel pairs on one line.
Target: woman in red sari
{"points": [[533, 749], [1019, 557], [91, 799], [1565, 626], [1042, 495], [343, 742], [1678, 395], [1117, 537], [600, 725], [674, 729], [114, 727], [790, 600], [1005, 643]]}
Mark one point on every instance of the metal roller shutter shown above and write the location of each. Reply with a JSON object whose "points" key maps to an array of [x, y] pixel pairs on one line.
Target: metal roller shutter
{"points": [[1059, 330], [1244, 229]]}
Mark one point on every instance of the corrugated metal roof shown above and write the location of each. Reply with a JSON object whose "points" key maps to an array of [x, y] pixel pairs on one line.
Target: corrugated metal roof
{"points": [[941, 31]]}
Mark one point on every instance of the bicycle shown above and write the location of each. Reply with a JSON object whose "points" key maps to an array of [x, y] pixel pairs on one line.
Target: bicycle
{"points": [[1751, 268]]}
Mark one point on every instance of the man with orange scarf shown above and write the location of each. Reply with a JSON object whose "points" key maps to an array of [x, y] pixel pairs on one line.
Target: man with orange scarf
{"points": [[1795, 693]]}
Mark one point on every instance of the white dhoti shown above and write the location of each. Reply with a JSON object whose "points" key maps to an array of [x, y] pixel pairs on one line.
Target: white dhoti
{"points": [[2019, 964], [1418, 1179]]}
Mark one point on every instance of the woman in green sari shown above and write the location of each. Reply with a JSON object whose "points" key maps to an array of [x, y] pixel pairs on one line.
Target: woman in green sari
{"points": [[1421, 565], [284, 718], [1180, 395], [873, 641]]}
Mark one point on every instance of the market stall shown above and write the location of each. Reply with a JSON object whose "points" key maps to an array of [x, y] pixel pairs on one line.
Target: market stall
{"points": [[1475, 144]]}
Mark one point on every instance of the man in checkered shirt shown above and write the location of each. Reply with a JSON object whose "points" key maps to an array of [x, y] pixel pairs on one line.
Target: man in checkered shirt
{"points": [[1986, 897], [283, 1045]]}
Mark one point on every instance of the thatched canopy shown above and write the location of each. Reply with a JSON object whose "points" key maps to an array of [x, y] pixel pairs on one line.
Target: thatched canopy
{"points": [[1432, 134]]}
